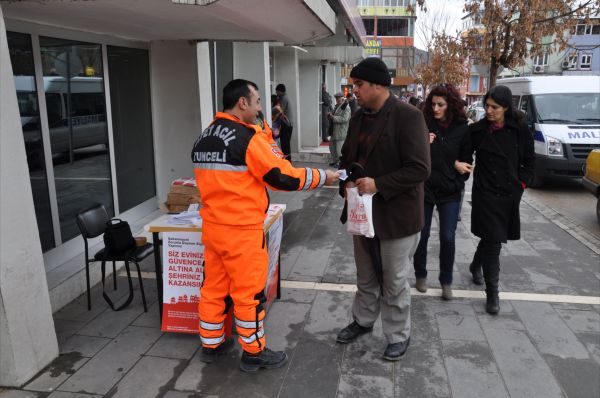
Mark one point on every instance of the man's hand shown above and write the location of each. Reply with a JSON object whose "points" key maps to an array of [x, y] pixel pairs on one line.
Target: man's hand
{"points": [[332, 177], [463, 167], [431, 138], [366, 185]]}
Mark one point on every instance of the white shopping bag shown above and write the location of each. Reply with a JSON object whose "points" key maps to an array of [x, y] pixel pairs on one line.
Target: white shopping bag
{"points": [[360, 213]]}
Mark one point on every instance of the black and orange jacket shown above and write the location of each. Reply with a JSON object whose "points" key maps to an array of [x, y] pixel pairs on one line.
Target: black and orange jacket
{"points": [[234, 162]]}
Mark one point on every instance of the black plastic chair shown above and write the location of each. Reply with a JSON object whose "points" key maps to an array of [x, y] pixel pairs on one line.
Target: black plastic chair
{"points": [[92, 223]]}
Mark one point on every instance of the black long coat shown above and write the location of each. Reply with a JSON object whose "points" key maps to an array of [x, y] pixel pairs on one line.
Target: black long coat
{"points": [[445, 183], [505, 160], [399, 162]]}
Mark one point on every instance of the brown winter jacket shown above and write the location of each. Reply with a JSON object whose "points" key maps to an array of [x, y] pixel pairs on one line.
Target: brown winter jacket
{"points": [[399, 161]]}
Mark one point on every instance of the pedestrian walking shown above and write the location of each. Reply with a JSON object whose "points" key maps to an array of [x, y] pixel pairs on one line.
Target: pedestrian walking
{"points": [[446, 121], [339, 119], [234, 162], [352, 102], [388, 139], [505, 162], [286, 125]]}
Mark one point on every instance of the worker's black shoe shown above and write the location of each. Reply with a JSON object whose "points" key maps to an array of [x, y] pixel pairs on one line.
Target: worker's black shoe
{"points": [[351, 332], [266, 359], [208, 355], [492, 305]]}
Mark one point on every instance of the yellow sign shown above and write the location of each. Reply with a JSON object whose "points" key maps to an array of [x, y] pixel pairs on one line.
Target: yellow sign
{"points": [[385, 11], [372, 48]]}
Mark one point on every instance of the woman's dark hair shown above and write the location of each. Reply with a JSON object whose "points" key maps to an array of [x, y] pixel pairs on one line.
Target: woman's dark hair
{"points": [[503, 97], [455, 110], [236, 89], [274, 100]]}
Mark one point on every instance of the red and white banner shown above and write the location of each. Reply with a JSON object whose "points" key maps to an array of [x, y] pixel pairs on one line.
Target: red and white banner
{"points": [[183, 256]]}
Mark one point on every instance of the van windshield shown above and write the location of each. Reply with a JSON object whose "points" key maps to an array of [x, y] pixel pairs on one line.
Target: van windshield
{"points": [[580, 108]]}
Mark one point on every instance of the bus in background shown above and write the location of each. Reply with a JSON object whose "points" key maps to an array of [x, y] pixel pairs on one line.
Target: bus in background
{"points": [[563, 114]]}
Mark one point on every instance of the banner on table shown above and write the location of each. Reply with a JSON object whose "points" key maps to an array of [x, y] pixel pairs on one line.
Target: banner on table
{"points": [[183, 257]]}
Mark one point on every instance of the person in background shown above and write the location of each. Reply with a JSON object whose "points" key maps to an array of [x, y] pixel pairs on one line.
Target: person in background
{"points": [[286, 126], [504, 167], [414, 101], [277, 117], [325, 109], [352, 102], [388, 140], [448, 127], [234, 162], [339, 119]]}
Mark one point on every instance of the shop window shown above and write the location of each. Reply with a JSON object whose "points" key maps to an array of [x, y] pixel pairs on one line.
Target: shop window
{"points": [[21, 57], [76, 105], [132, 125]]}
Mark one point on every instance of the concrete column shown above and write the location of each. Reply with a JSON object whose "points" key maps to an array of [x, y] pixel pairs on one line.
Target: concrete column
{"points": [[310, 97], [176, 112], [27, 337], [205, 83], [287, 72], [251, 62]]}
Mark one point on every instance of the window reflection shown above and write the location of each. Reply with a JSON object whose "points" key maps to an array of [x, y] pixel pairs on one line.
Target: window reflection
{"points": [[76, 106], [21, 57]]}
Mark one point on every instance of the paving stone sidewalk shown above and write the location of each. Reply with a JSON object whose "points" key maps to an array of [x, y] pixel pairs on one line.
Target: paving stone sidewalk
{"points": [[531, 349]]}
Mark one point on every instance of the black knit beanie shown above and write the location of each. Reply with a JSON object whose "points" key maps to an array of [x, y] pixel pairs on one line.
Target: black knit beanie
{"points": [[280, 87], [372, 70]]}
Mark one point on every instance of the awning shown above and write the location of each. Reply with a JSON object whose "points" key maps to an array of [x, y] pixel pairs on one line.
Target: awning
{"points": [[286, 21]]}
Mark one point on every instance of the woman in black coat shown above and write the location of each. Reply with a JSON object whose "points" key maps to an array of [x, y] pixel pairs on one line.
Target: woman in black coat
{"points": [[447, 125], [504, 167]]}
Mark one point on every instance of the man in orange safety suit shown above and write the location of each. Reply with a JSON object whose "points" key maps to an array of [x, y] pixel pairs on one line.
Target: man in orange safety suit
{"points": [[234, 162]]}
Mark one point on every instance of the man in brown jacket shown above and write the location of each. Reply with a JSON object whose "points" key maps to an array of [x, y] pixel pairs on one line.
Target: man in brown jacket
{"points": [[389, 139]]}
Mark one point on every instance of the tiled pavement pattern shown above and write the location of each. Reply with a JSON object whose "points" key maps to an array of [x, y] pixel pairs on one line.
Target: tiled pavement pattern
{"points": [[531, 349]]}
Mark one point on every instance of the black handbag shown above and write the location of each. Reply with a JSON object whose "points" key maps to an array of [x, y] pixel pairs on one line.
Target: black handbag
{"points": [[118, 237], [118, 240]]}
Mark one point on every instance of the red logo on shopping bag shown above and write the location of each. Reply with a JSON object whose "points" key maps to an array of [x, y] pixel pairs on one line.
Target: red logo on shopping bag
{"points": [[358, 215]]}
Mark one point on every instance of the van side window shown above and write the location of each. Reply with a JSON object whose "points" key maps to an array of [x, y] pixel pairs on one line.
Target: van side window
{"points": [[54, 107]]}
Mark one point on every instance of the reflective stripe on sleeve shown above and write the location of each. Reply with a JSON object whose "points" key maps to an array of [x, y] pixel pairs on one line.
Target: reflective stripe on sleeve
{"points": [[211, 326], [220, 166], [252, 338], [248, 325], [309, 178], [323, 176], [212, 341]]}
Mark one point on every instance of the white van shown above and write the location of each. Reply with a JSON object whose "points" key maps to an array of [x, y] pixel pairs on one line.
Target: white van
{"points": [[88, 111], [563, 113]]}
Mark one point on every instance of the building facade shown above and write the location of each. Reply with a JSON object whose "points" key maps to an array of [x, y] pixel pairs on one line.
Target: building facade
{"points": [[390, 31], [101, 102]]}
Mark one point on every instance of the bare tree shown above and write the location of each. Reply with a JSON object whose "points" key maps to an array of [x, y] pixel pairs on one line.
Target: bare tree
{"points": [[447, 62], [512, 30]]}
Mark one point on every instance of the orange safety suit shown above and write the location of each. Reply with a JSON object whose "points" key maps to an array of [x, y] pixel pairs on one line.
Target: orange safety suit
{"points": [[234, 162]]}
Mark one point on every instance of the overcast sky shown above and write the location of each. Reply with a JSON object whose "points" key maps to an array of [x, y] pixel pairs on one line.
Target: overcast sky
{"points": [[437, 9]]}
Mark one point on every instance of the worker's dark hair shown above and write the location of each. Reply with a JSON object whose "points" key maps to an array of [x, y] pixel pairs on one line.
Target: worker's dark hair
{"points": [[236, 89]]}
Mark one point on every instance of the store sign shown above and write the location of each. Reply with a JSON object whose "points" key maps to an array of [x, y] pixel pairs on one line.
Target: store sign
{"points": [[372, 48]]}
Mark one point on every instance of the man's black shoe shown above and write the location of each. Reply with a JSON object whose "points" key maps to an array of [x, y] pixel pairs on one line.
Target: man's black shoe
{"points": [[394, 351], [208, 355], [266, 359], [351, 332], [492, 305], [476, 273]]}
